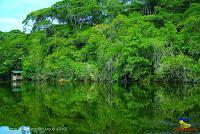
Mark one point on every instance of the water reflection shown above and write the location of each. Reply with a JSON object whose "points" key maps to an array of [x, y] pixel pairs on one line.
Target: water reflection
{"points": [[21, 130], [99, 108], [16, 86]]}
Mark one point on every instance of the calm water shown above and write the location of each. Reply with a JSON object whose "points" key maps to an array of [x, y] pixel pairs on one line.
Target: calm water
{"points": [[96, 108]]}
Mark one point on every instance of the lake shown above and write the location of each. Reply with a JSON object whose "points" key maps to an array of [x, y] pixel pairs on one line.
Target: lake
{"points": [[95, 108]]}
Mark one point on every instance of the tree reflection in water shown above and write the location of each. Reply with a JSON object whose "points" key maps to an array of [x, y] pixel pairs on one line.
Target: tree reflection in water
{"points": [[99, 108]]}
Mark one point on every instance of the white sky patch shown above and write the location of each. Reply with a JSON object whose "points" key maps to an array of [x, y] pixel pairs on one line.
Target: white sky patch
{"points": [[12, 13], [7, 24]]}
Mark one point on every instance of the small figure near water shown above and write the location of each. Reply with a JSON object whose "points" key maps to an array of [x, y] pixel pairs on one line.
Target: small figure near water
{"points": [[185, 126], [63, 80]]}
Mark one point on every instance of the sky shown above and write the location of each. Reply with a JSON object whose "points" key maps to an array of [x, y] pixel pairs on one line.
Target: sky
{"points": [[13, 12]]}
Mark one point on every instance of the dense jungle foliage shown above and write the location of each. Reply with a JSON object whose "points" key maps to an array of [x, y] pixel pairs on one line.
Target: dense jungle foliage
{"points": [[107, 40]]}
